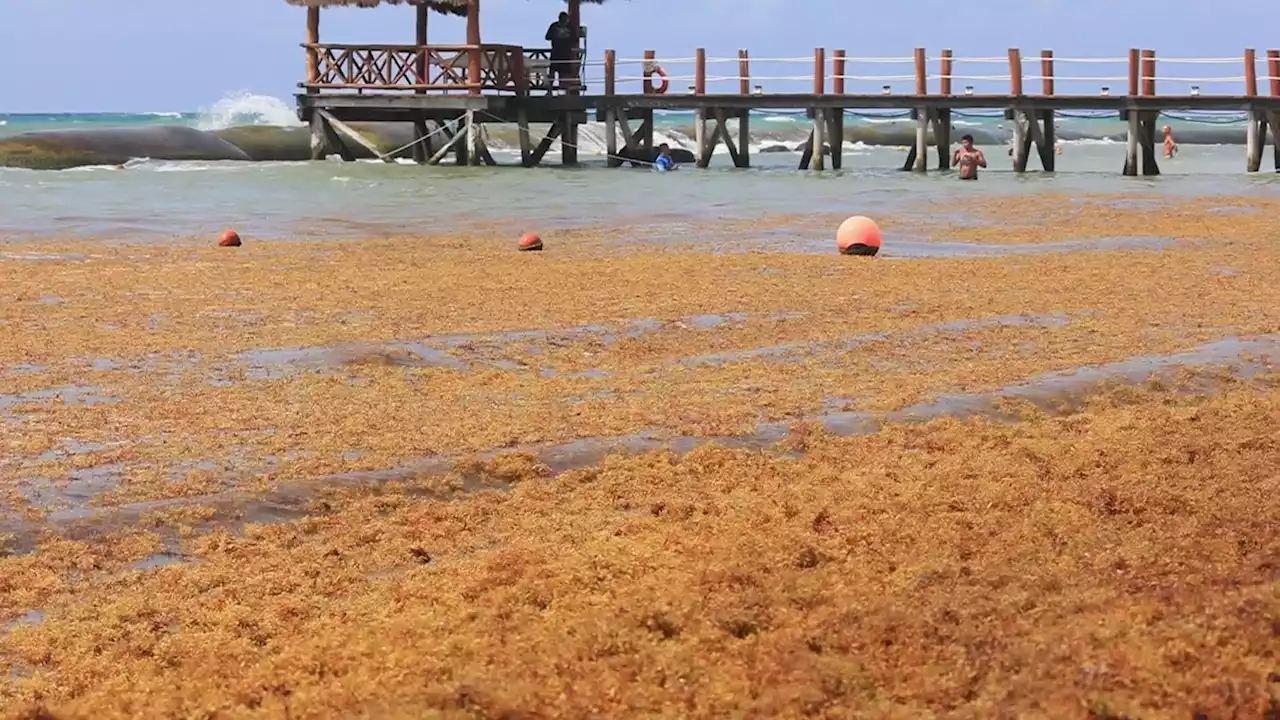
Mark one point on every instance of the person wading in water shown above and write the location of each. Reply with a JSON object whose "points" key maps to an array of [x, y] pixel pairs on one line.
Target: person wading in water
{"points": [[967, 159]]}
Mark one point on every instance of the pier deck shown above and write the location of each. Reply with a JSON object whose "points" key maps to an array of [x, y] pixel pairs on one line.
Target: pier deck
{"points": [[427, 86]]}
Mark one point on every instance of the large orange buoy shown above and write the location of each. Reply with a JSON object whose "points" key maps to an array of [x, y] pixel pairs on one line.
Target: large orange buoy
{"points": [[530, 241], [229, 238], [858, 236]]}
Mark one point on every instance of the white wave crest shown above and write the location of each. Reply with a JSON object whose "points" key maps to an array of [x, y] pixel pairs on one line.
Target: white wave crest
{"points": [[244, 108]]}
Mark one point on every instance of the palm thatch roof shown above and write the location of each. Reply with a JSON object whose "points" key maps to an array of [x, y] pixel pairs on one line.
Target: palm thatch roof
{"points": [[451, 7]]}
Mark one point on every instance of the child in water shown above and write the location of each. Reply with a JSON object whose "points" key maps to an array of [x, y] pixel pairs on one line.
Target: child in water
{"points": [[664, 161]]}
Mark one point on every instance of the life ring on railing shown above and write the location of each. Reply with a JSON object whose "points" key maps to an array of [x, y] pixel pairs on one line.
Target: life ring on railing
{"points": [[659, 89]]}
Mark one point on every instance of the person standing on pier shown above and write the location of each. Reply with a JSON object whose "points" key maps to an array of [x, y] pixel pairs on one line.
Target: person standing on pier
{"points": [[560, 35], [967, 159], [1170, 147]]}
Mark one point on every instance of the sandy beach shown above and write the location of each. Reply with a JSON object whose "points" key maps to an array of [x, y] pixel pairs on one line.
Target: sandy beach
{"points": [[1023, 464]]}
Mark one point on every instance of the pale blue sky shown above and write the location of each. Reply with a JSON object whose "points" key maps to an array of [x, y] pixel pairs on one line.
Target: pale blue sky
{"points": [[160, 55]]}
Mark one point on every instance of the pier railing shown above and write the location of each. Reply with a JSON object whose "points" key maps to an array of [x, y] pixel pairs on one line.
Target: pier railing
{"points": [[421, 68], [920, 74]]}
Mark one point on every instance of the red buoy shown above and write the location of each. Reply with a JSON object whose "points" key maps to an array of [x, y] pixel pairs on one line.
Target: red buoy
{"points": [[530, 241], [229, 239], [858, 236]]}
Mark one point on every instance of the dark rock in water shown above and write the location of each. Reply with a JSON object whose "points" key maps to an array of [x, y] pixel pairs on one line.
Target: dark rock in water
{"points": [[269, 142], [61, 149], [776, 148]]}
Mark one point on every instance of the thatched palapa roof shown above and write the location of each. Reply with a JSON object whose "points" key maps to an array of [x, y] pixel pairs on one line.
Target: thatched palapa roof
{"points": [[451, 7]]}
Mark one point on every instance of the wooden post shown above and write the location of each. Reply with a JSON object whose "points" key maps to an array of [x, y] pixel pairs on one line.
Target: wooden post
{"points": [[1046, 71], [1134, 72], [1149, 73], [922, 74], [1250, 73], [701, 154], [610, 72], [473, 139], [568, 140], [313, 54], [1015, 72], [1021, 146], [1049, 150], [744, 138], [649, 56], [526, 140], [700, 71], [473, 64], [610, 111], [1254, 141], [744, 73], [921, 152], [942, 137], [1131, 141], [421, 145], [819, 71], [420, 39], [819, 138], [837, 70], [945, 81], [1273, 72]]}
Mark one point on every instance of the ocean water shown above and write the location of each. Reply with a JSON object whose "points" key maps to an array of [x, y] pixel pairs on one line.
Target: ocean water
{"points": [[164, 199]]}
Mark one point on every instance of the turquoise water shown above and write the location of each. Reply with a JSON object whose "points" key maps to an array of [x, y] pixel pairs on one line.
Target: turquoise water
{"points": [[160, 199]]}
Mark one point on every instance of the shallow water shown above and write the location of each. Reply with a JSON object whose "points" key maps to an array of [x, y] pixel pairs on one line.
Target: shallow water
{"points": [[329, 199]]}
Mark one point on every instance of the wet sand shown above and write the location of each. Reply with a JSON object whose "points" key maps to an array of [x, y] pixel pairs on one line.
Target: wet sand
{"points": [[694, 473]]}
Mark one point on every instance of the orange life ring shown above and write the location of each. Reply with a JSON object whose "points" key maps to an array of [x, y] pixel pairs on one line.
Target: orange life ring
{"points": [[660, 89]]}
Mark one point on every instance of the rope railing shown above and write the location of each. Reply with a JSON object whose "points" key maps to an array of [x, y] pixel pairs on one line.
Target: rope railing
{"points": [[835, 72]]}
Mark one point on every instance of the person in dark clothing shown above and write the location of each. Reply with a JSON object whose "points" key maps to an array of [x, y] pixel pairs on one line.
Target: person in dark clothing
{"points": [[560, 35]]}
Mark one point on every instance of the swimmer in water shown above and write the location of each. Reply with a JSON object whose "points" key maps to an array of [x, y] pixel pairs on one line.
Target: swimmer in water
{"points": [[1170, 147], [967, 159], [664, 161]]}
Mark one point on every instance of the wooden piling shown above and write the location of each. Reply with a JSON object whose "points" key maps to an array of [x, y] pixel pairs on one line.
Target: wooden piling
{"points": [[701, 149], [568, 139], [837, 72], [744, 73], [473, 139], [611, 111], [700, 71], [526, 139], [1255, 140], [744, 138], [942, 137], [819, 139], [421, 145], [649, 57], [1046, 72], [922, 140], [922, 72], [945, 80], [1131, 143], [1149, 73], [1134, 72], [1021, 142], [1015, 72]]}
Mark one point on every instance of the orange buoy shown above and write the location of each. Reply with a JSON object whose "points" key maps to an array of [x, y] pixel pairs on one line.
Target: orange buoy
{"points": [[858, 236], [530, 241], [229, 239]]}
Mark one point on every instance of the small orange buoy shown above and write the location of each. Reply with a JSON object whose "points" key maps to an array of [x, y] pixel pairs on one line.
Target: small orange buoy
{"points": [[530, 241], [229, 239], [858, 236]]}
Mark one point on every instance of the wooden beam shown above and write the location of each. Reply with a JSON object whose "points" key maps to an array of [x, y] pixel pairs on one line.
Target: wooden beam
{"points": [[420, 146], [1131, 140], [921, 154], [552, 133], [356, 137], [1049, 152], [722, 133], [452, 138], [942, 137], [1021, 142], [420, 39], [1148, 121], [835, 136], [819, 139], [526, 140], [744, 138]]}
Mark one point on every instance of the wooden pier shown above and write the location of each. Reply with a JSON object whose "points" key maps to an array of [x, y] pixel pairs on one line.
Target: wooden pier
{"points": [[449, 93]]}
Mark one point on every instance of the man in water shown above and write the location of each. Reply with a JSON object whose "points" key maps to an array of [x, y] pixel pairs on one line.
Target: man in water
{"points": [[1170, 147], [967, 159], [664, 161], [560, 34]]}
